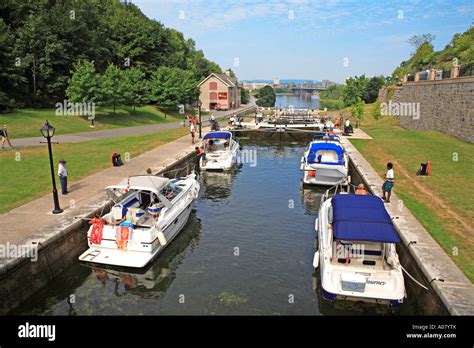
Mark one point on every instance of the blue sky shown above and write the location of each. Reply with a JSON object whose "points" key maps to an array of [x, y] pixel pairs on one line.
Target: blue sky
{"points": [[309, 39]]}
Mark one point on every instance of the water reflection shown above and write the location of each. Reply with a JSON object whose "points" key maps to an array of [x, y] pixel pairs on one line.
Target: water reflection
{"points": [[311, 198], [217, 186], [154, 281]]}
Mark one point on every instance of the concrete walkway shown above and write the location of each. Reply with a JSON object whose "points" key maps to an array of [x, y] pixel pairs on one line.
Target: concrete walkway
{"points": [[119, 132]]}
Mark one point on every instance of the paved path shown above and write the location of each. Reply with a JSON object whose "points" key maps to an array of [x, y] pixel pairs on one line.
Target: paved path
{"points": [[119, 132]]}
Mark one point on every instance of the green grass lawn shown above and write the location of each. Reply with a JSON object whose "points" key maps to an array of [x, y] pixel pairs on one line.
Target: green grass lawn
{"points": [[25, 123], [452, 165], [29, 177]]}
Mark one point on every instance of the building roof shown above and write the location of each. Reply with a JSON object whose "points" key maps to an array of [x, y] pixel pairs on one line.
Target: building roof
{"points": [[229, 81], [362, 218]]}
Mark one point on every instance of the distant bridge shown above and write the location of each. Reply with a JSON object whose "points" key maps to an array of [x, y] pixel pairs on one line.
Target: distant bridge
{"points": [[310, 88]]}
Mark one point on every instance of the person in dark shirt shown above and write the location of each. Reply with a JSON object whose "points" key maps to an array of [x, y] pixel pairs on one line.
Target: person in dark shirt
{"points": [[5, 138]]}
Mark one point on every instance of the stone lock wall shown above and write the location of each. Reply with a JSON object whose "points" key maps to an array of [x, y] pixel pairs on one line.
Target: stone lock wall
{"points": [[446, 106]]}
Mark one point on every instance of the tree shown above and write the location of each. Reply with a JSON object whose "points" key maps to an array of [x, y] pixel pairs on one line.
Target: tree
{"points": [[266, 97], [136, 88], [41, 41], [171, 87], [373, 87], [10, 75], [355, 90], [376, 112], [84, 84], [244, 96], [357, 110], [417, 40], [112, 87]]}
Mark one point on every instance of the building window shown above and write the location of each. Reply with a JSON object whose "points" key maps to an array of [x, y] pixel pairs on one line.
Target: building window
{"points": [[213, 96], [213, 86]]}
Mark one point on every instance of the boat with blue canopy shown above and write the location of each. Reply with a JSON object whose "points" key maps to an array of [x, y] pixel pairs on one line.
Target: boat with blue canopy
{"points": [[325, 161], [356, 253], [221, 151]]}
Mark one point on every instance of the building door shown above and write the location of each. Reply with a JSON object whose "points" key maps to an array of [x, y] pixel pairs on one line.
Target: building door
{"points": [[212, 106]]}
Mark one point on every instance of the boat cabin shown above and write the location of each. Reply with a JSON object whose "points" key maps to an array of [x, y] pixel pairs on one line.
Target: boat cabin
{"points": [[362, 231], [325, 153], [220, 141], [141, 199]]}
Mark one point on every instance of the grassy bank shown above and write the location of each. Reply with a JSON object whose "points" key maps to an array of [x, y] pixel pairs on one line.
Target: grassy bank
{"points": [[25, 123], [25, 174], [444, 201]]}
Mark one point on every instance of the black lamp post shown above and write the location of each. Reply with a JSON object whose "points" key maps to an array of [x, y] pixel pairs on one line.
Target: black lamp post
{"points": [[199, 104], [48, 132]]}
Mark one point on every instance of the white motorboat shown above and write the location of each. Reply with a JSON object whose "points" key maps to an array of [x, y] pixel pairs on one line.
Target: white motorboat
{"points": [[325, 162], [149, 212], [356, 252], [221, 151]]}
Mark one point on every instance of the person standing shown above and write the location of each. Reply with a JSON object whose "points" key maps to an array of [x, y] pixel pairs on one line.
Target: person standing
{"points": [[63, 173], [192, 130], [5, 138], [388, 184]]}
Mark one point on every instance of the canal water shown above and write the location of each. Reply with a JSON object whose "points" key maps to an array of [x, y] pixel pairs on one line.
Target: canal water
{"points": [[247, 250], [296, 101]]}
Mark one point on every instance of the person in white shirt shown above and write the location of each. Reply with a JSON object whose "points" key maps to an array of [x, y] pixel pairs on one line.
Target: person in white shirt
{"points": [[62, 172], [232, 120], [192, 130], [388, 184], [212, 117]]}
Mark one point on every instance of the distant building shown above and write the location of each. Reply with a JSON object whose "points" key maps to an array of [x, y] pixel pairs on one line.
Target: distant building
{"points": [[254, 85], [219, 92], [276, 82]]}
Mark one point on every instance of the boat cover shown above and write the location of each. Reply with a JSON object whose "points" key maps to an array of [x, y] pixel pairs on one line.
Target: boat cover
{"points": [[362, 218], [217, 135], [315, 147]]}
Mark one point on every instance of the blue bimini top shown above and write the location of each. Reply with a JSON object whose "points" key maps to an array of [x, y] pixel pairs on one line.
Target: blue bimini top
{"points": [[362, 218], [315, 147], [217, 135]]}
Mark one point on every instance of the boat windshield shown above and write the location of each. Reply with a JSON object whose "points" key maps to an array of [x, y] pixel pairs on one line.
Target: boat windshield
{"points": [[117, 195], [170, 191], [217, 145]]}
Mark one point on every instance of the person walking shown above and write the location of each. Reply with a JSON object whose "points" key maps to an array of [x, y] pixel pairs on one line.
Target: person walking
{"points": [[5, 138], [192, 130], [63, 173], [388, 184]]}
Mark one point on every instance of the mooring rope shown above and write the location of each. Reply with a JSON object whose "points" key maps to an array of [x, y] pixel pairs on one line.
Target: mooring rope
{"points": [[412, 278]]}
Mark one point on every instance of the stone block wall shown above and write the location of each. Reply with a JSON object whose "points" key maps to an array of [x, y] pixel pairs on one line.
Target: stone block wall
{"points": [[446, 106]]}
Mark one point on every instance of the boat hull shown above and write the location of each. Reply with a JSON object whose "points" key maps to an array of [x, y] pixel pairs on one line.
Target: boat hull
{"points": [[132, 258], [326, 175]]}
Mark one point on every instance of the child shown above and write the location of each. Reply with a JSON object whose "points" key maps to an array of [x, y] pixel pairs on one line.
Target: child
{"points": [[388, 184], [193, 132]]}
